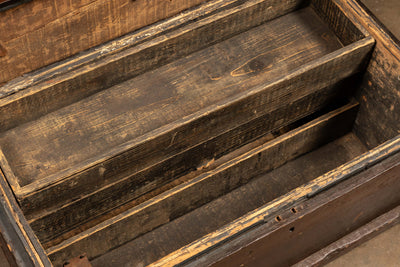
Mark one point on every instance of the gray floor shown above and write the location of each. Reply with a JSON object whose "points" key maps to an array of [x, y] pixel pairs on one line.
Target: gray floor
{"points": [[384, 249], [388, 12]]}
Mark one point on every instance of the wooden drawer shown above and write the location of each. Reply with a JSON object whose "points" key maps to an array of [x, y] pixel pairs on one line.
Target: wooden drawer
{"points": [[198, 128]]}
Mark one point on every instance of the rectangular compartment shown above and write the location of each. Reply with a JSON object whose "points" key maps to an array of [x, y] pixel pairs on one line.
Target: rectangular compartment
{"points": [[217, 118], [91, 148]]}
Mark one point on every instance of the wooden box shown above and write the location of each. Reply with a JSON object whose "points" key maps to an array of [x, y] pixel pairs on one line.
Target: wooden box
{"points": [[198, 134]]}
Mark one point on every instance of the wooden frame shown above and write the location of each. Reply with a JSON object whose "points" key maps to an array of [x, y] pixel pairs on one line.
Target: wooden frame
{"points": [[374, 174], [60, 187]]}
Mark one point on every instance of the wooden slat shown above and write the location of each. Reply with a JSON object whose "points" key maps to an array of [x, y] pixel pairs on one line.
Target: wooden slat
{"points": [[43, 32], [379, 92], [354, 239], [20, 239], [57, 221], [304, 81], [364, 46], [160, 97], [211, 216], [164, 47], [327, 217], [208, 186], [265, 215]]}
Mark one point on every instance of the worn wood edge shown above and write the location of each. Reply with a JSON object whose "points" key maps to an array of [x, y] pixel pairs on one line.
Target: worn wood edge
{"points": [[207, 177], [355, 10], [88, 10], [21, 230], [361, 47], [23, 98], [7, 170], [42, 221], [309, 211], [316, 4], [306, 191], [353, 239], [111, 47]]}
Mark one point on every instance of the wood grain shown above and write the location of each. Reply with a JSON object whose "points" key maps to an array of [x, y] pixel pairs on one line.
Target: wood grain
{"points": [[266, 214], [204, 188], [352, 240], [358, 203], [181, 36], [52, 223], [176, 90], [42, 32], [379, 92], [233, 205], [324, 83]]}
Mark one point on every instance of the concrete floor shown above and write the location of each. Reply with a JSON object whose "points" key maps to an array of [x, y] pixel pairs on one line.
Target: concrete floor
{"points": [[388, 12], [382, 250]]}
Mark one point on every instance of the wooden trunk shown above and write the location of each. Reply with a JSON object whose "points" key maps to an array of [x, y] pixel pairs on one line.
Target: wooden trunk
{"points": [[229, 132]]}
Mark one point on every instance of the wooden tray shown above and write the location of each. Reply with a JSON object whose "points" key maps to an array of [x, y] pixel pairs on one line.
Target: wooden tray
{"points": [[113, 146], [176, 131]]}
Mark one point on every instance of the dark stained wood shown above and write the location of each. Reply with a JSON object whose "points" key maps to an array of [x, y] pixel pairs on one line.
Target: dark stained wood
{"points": [[42, 32], [352, 240], [176, 39], [54, 222], [379, 91], [208, 186], [231, 206], [325, 218], [7, 258], [353, 54], [133, 108], [199, 136], [78, 211], [18, 235], [225, 237], [348, 29]]}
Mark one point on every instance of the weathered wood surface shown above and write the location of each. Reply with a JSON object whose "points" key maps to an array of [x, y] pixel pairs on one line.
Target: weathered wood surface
{"points": [[209, 185], [189, 100], [353, 54], [383, 198], [325, 218], [379, 116], [354, 239], [17, 233], [299, 81], [58, 221], [149, 49], [154, 99], [39, 33], [257, 192]]}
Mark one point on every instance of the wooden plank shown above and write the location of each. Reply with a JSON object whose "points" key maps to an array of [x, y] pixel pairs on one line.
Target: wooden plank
{"points": [[58, 221], [334, 66], [358, 53], [379, 91], [109, 48], [210, 217], [184, 38], [348, 29], [328, 217], [57, 30], [267, 214], [208, 186], [352, 240], [136, 107], [15, 230]]}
